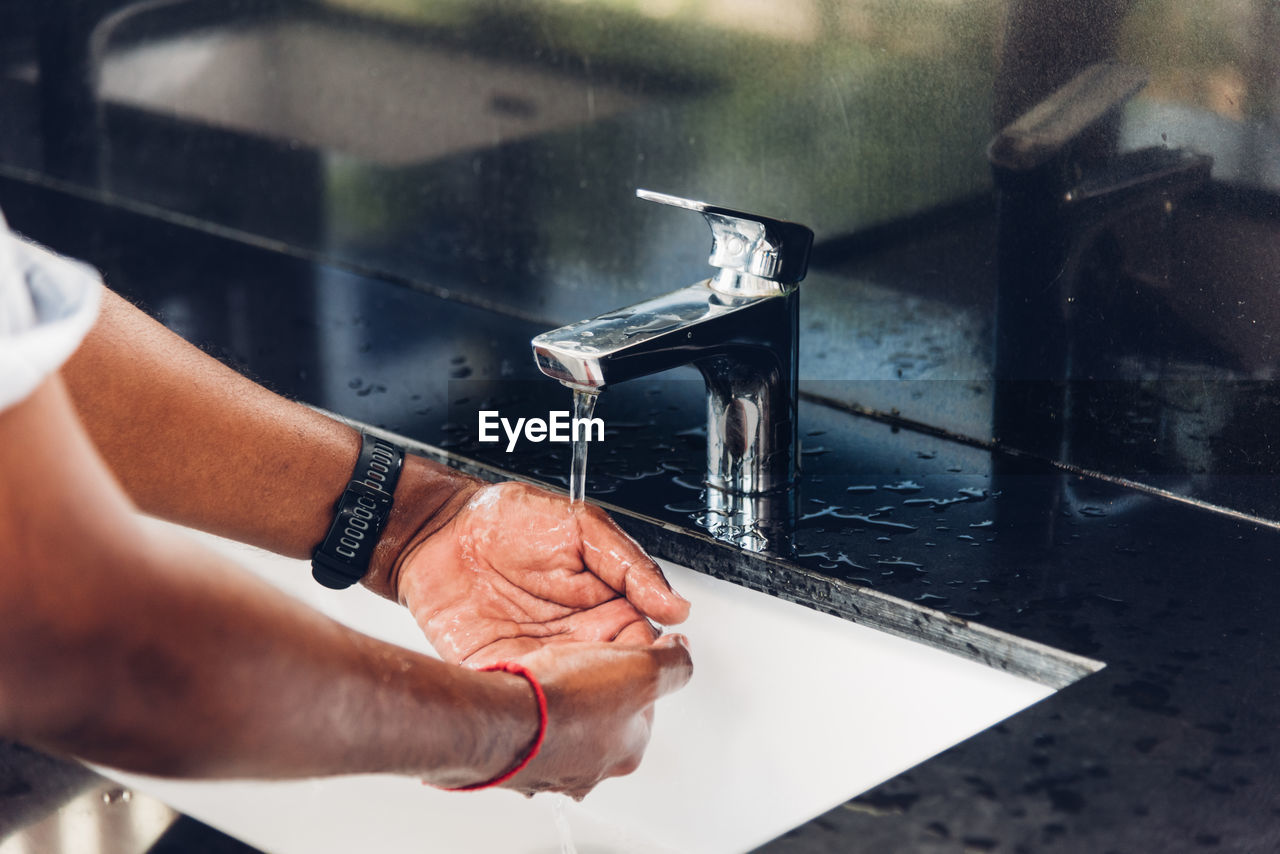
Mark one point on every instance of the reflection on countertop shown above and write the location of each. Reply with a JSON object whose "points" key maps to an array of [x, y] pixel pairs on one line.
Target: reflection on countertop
{"points": [[315, 128]]}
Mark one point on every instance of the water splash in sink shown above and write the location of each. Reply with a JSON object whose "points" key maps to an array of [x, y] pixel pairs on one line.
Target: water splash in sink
{"points": [[562, 825]]}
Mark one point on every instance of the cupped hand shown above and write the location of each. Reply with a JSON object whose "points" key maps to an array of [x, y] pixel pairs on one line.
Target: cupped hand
{"points": [[600, 700], [518, 568]]}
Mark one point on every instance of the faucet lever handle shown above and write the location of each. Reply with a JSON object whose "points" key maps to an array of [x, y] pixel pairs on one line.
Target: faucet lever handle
{"points": [[747, 246], [1052, 127]]}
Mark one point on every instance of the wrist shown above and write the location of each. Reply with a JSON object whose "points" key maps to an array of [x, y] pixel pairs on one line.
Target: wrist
{"points": [[361, 515], [517, 708], [500, 723], [427, 498]]}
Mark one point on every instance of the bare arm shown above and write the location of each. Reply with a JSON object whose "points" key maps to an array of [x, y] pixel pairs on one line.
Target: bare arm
{"points": [[144, 651], [194, 442]]}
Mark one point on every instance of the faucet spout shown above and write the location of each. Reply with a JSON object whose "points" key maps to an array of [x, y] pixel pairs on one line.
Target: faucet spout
{"points": [[744, 346], [740, 329]]}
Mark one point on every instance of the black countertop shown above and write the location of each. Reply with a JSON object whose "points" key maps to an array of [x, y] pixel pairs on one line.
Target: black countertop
{"points": [[1169, 747], [305, 215]]}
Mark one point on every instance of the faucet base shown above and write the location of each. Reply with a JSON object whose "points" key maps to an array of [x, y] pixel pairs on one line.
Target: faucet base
{"points": [[755, 523]]}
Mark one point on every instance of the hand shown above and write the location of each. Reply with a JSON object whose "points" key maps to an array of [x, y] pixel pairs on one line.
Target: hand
{"points": [[518, 568], [600, 700]]}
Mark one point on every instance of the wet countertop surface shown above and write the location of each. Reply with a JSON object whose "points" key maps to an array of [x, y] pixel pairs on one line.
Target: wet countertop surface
{"points": [[1169, 747]]}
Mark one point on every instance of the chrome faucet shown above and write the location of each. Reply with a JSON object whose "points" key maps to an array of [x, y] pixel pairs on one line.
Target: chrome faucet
{"points": [[740, 328]]}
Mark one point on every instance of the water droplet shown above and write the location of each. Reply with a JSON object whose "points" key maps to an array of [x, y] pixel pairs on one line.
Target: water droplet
{"points": [[638, 475], [869, 519], [117, 795], [833, 562], [936, 504], [653, 326]]}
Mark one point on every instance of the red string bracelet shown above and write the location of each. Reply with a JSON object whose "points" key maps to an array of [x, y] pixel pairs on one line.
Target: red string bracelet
{"points": [[517, 670]]}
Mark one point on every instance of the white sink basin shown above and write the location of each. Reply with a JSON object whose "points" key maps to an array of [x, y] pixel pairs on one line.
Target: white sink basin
{"points": [[790, 712]]}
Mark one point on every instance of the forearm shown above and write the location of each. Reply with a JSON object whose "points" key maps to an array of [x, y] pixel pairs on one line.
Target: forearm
{"points": [[203, 671], [195, 442], [141, 649]]}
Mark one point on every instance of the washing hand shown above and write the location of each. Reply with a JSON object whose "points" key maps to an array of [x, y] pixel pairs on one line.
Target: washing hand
{"points": [[518, 569], [600, 700]]}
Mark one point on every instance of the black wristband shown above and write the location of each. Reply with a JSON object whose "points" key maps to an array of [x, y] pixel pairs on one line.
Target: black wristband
{"points": [[342, 558]]}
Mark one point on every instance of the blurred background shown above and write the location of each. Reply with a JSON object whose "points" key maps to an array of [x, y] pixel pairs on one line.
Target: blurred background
{"points": [[487, 151]]}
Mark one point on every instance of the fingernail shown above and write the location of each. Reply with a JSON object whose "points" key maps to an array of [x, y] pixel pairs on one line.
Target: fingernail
{"points": [[674, 640]]}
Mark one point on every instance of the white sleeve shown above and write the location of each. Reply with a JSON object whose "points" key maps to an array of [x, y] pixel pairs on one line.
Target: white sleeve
{"points": [[47, 305]]}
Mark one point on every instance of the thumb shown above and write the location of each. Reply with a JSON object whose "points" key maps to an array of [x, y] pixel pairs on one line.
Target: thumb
{"points": [[652, 595], [619, 562], [670, 653]]}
